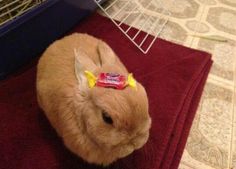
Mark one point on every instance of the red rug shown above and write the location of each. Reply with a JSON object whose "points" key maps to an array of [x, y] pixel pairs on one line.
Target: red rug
{"points": [[173, 76]]}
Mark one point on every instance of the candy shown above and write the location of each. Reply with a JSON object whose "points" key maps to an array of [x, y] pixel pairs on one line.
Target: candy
{"points": [[110, 80]]}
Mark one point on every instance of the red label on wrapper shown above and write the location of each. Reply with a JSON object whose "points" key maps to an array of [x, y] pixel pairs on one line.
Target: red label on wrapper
{"points": [[112, 80]]}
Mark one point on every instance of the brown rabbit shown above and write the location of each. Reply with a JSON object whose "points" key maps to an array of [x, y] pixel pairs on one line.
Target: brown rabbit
{"points": [[98, 124]]}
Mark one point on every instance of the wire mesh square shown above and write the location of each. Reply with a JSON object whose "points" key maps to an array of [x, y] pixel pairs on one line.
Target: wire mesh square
{"points": [[134, 13]]}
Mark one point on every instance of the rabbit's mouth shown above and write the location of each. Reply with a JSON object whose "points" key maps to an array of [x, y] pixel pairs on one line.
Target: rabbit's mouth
{"points": [[95, 142]]}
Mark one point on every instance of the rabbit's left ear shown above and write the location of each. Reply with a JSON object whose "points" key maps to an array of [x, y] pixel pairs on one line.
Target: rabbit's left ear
{"points": [[106, 54], [82, 63]]}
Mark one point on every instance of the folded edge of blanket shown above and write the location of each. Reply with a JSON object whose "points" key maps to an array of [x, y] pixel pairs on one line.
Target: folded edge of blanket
{"points": [[185, 119]]}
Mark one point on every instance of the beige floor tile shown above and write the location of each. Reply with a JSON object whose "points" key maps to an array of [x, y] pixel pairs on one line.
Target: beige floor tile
{"points": [[209, 141], [188, 162]]}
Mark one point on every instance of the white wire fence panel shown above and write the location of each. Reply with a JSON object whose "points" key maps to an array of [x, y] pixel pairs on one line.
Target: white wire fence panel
{"points": [[10, 9], [135, 13]]}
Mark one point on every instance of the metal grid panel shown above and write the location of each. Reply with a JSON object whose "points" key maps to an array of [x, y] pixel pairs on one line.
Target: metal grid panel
{"points": [[136, 10], [10, 9]]}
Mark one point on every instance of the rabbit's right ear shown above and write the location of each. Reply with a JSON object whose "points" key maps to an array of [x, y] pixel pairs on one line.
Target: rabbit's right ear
{"points": [[106, 54], [82, 63]]}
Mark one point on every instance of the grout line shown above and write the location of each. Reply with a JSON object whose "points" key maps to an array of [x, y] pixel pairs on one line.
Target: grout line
{"points": [[197, 25], [228, 6], [220, 82]]}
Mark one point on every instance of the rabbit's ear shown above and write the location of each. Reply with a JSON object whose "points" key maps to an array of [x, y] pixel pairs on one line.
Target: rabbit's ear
{"points": [[106, 54], [82, 63]]}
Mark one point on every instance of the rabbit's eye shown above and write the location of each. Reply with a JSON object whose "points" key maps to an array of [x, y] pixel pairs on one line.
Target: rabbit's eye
{"points": [[106, 118]]}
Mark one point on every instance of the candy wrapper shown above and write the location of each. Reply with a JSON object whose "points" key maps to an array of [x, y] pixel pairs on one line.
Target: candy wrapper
{"points": [[110, 80]]}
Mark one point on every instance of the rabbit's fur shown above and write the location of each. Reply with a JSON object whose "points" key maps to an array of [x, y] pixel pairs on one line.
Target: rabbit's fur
{"points": [[75, 110]]}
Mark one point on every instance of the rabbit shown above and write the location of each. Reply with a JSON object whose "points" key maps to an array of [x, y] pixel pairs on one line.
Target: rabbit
{"points": [[100, 125]]}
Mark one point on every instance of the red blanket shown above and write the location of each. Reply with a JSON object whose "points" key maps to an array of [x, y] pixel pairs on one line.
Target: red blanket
{"points": [[173, 76]]}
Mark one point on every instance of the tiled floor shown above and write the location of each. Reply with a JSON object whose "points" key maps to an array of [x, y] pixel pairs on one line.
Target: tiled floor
{"points": [[212, 141]]}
